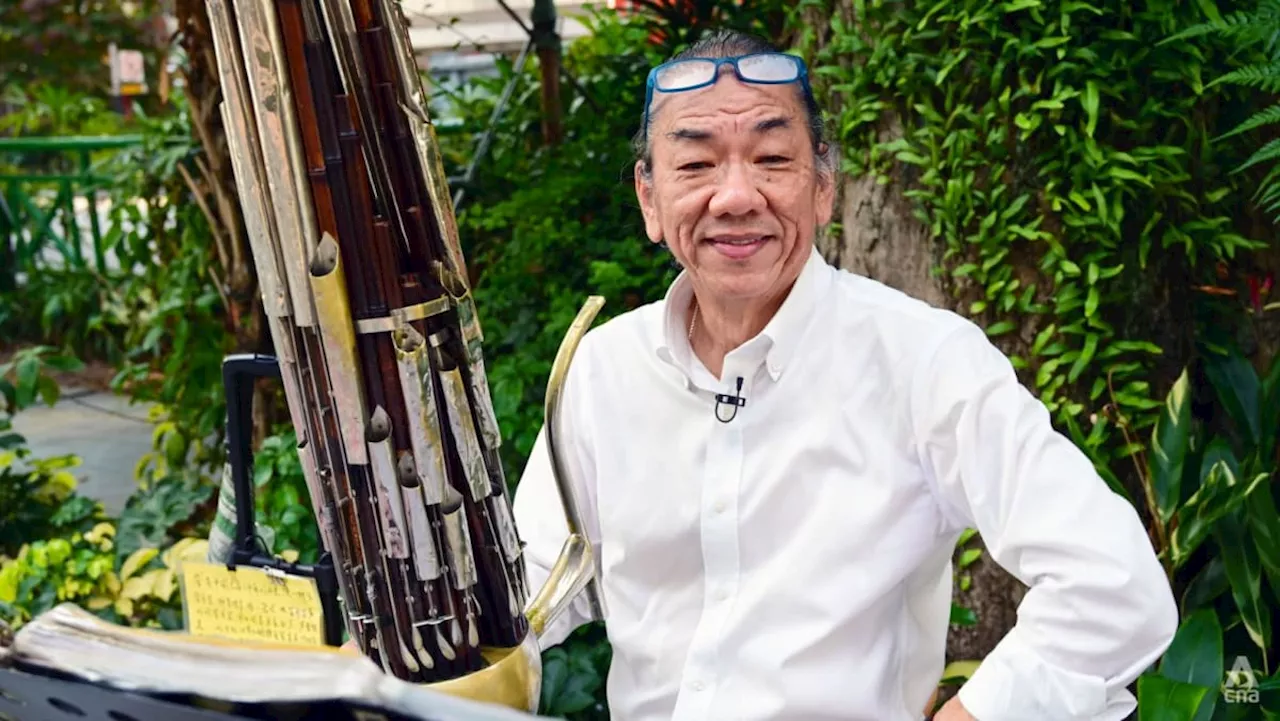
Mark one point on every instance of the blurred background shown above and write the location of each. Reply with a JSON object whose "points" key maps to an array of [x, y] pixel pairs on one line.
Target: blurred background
{"points": [[1093, 181]]}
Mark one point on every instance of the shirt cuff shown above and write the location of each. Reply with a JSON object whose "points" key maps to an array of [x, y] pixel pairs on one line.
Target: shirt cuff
{"points": [[1013, 683]]}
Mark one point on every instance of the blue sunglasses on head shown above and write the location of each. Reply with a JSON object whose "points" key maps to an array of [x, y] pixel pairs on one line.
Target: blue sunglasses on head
{"points": [[693, 73]]}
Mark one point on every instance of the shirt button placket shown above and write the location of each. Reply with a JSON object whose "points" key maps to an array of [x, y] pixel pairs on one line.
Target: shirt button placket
{"points": [[720, 559]]}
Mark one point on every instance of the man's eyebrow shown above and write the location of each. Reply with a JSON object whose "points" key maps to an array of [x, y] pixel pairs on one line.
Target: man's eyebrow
{"points": [[763, 126], [689, 134]]}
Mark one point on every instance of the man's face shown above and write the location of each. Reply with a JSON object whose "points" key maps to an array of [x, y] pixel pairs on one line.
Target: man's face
{"points": [[734, 191]]}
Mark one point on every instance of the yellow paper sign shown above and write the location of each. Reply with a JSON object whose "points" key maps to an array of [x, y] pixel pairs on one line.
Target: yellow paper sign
{"points": [[251, 604]]}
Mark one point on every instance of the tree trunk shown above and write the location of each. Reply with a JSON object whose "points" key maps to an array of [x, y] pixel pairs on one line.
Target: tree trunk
{"points": [[215, 190]]}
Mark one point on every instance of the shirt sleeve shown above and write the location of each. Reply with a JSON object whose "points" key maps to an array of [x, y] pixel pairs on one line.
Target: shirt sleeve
{"points": [[537, 508], [1099, 609]]}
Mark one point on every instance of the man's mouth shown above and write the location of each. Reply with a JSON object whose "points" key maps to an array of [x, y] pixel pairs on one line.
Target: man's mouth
{"points": [[738, 246]]}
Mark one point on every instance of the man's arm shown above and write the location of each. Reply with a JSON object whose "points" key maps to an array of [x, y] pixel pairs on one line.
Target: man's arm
{"points": [[1099, 609], [538, 513]]}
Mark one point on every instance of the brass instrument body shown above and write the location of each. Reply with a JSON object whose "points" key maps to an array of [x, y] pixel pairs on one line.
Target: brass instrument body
{"points": [[355, 243]]}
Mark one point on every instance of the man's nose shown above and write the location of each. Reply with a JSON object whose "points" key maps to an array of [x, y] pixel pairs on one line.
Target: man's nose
{"points": [[737, 192]]}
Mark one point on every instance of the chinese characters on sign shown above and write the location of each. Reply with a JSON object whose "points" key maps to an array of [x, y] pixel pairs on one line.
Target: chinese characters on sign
{"points": [[248, 604]]}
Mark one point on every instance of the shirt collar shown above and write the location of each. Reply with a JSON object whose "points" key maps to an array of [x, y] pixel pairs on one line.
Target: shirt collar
{"points": [[780, 336]]}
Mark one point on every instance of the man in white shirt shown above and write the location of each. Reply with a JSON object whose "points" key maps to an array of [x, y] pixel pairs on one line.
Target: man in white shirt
{"points": [[787, 555]]}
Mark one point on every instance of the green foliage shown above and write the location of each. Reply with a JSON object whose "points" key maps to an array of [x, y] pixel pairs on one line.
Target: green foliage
{"points": [[177, 333], [672, 26], [1258, 26], [84, 569], [37, 495], [47, 572], [1211, 486], [43, 39], [157, 315], [1061, 158], [282, 500], [574, 675], [1081, 178], [52, 110], [161, 513], [545, 227], [38, 499]]}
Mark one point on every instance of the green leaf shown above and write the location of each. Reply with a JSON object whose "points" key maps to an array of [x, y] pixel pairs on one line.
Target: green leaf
{"points": [[1264, 530], [1000, 328], [1244, 571], [1269, 413], [1086, 355], [962, 616], [1126, 174], [1090, 103], [1207, 585], [1221, 492], [1238, 390], [1164, 699], [1169, 442], [1195, 656], [261, 474], [1210, 11], [27, 374]]}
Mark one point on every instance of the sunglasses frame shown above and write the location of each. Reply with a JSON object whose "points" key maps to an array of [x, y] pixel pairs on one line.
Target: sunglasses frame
{"points": [[651, 84]]}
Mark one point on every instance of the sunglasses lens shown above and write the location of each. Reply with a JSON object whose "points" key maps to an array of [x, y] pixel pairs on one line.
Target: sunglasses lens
{"points": [[771, 68], [685, 74]]}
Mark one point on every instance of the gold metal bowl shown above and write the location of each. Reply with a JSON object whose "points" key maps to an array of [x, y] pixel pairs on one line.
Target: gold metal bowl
{"points": [[513, 676]]}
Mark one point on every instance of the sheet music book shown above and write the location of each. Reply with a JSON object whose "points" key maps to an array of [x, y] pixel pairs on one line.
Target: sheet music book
{"points": [[227, 675]]}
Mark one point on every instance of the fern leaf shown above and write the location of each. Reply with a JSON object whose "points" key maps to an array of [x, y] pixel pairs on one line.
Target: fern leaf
{"points": [[1266, 153], [1241, 28], [1270, 199], [1263, 117], [1263, 77], [1268, 191]]}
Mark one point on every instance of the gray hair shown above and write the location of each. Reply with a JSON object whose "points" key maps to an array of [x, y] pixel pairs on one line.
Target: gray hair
{"points": [[726, 43]]}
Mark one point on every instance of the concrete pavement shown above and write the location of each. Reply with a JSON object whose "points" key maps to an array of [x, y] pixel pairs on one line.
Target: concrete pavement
{"points": [[104, 430]]}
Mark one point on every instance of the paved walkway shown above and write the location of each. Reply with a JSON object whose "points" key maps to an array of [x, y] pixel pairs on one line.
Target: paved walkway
{"points": [[108, 433]]}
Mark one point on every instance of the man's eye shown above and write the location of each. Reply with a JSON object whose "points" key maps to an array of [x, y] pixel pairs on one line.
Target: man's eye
{"points": [[773, 159], [697, 165]]}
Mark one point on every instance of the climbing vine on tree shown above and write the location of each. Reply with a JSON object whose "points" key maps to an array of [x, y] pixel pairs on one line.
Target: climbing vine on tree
{"points": [[1066, 164]]}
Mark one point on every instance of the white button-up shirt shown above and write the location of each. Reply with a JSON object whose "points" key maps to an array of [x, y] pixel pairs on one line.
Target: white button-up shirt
{"points": [[795, 562]]}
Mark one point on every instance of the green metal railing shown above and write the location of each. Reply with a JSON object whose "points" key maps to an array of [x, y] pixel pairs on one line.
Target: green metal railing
{"points": [[38, 207], [38, 201]]}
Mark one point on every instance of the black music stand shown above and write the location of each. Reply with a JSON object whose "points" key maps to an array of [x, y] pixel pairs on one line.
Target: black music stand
{"points": [[239, 373]]}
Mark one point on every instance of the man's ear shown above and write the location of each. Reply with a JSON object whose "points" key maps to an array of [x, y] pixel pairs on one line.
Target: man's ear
{"points": [[825, 202], [648, 207]]}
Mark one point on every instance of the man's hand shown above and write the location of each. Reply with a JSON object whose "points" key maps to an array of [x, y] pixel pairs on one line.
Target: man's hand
{"points": [[953, 710]]}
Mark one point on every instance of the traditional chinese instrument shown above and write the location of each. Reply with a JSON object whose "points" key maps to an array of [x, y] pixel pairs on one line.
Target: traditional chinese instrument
{"points": [[367, 296]]}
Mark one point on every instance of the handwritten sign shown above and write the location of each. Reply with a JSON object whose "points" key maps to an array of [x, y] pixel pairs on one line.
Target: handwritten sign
{"points": [[250, 604]]}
